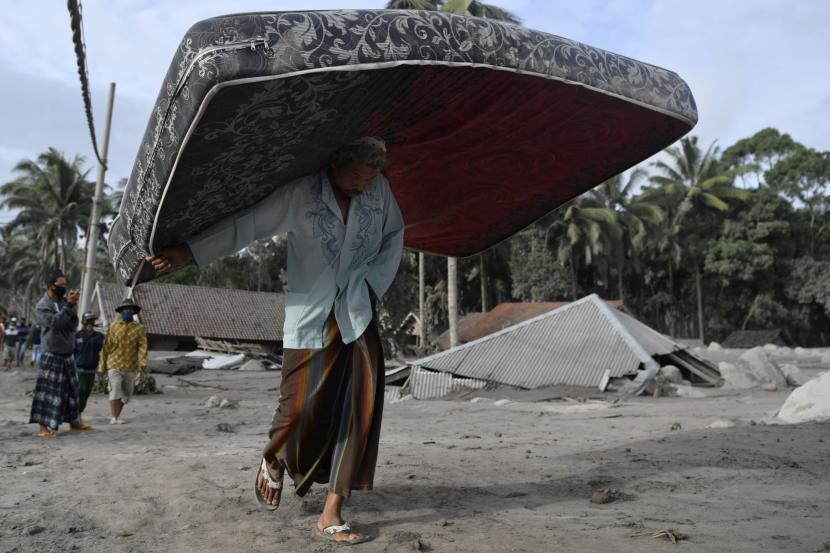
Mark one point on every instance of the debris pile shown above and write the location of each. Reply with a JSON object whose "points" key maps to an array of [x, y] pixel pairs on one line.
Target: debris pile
{"points": [[219, 354], [768, 367], [809, 402], [215, 355]]}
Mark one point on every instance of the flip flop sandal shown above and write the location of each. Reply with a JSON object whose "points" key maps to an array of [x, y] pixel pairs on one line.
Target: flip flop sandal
{"points": [[81, 427], [46, 434], [273, 484], [329, 533]]}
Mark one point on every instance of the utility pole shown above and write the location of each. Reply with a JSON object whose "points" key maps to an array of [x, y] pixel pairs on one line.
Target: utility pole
{"points": [[88, 274], [452, 298]]}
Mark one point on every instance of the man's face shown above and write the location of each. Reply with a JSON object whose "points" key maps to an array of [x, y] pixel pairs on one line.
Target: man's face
{"points": [[89, 325], [353, 177], [59, 282]]}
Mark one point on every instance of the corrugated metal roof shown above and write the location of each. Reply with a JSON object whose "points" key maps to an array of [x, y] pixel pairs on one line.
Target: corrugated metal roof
{"points": [[424, 384], [392, 394], [572, 345], [478, 325], [653, 342], [190, 311]]}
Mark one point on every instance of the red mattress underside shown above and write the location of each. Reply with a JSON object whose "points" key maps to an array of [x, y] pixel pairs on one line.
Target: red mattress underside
{"points": [[478, 155]]}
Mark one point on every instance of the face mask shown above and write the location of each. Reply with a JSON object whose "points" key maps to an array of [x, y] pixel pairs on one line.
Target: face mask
{"points": [[60, 291], [127, 315]]}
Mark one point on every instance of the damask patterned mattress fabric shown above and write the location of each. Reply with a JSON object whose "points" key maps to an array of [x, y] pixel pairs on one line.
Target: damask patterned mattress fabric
{"points": [[489, 125]]}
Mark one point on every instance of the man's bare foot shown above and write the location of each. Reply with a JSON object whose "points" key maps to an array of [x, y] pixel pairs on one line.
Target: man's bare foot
{"points": [[347, 535], [271, 495]]}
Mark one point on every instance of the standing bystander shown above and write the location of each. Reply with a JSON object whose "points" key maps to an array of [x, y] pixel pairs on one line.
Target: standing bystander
{"points": [[56, 393], [22, 342], [9, 343], [37, 349], [88, 344], [123, 356]]}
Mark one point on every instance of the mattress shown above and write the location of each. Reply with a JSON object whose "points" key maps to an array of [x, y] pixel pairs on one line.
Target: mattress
{"points": [[489, 125]]}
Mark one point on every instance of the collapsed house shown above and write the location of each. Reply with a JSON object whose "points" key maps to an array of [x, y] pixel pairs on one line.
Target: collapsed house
{"points": [[586, 344], [473, 326], [175, 315]]}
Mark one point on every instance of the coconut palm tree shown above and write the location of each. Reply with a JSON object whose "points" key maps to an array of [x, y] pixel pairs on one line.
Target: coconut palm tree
{"points": [[460, 7], [690, 181], [429, 5], [635, 216], [53, 200], [583, 233]]}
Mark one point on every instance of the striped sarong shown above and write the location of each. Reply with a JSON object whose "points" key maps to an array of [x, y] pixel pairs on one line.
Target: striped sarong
{"points": [[56, 393], [326, 427]]}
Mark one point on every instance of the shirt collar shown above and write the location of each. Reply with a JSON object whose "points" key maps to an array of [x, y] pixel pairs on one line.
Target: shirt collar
{"points": [[328, 194]]}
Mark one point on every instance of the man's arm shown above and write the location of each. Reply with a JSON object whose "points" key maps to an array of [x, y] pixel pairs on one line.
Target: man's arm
{"points": [[384, 267], [60, 320], [270, 216]]}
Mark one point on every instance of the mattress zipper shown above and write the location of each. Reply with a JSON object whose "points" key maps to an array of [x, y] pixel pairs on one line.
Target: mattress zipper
{"points": [[251, 43]]}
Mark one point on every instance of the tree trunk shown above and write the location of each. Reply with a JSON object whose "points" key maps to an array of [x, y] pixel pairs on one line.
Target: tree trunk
{"points": [[812, 234], [573, 279], [421, 305], [699, 303], [672, 315], [620, 292], [61, 251], [483, 275], [452, 299]]}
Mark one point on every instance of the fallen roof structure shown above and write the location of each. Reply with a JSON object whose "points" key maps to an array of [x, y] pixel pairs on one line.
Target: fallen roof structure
{"points": [[473, 326], [584, 343]]}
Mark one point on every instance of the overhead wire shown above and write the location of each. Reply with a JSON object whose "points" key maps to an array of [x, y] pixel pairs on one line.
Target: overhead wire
{"points": [[76, 23]]}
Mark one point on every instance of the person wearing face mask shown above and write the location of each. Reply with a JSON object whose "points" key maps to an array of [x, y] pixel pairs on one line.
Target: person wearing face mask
{"points": [[123, 356], [55, 399]]}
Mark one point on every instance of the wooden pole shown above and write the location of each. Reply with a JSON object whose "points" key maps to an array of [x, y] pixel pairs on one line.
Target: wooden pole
{"points": [[88, 274]]}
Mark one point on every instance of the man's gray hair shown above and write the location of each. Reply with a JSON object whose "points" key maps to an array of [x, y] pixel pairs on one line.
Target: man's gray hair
{"points": [[370, 150]]}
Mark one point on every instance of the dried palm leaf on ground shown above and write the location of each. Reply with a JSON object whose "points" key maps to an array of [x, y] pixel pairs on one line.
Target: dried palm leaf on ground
{"points": [[669, 534]]}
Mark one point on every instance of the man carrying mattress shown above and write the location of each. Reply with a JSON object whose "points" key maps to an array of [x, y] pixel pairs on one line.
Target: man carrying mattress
{"points": [[345, 239]]}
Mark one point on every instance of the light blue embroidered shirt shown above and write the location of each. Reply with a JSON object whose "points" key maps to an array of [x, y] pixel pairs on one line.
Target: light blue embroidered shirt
{"points": [[329, 263]]}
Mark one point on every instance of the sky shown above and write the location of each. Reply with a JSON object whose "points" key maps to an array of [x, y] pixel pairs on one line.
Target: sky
{"points": [[750, 64]]}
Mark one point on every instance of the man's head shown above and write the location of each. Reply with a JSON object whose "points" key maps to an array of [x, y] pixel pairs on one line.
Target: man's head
{"points": [[56, 283], [88, 321], [355, 165], [128, 309]]}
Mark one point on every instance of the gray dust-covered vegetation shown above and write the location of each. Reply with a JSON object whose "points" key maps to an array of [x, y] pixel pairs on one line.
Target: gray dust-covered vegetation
{"points": [[698, 244]]}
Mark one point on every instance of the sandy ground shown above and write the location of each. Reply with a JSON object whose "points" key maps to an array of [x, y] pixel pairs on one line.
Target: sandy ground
{"points": [[453, 476]]}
